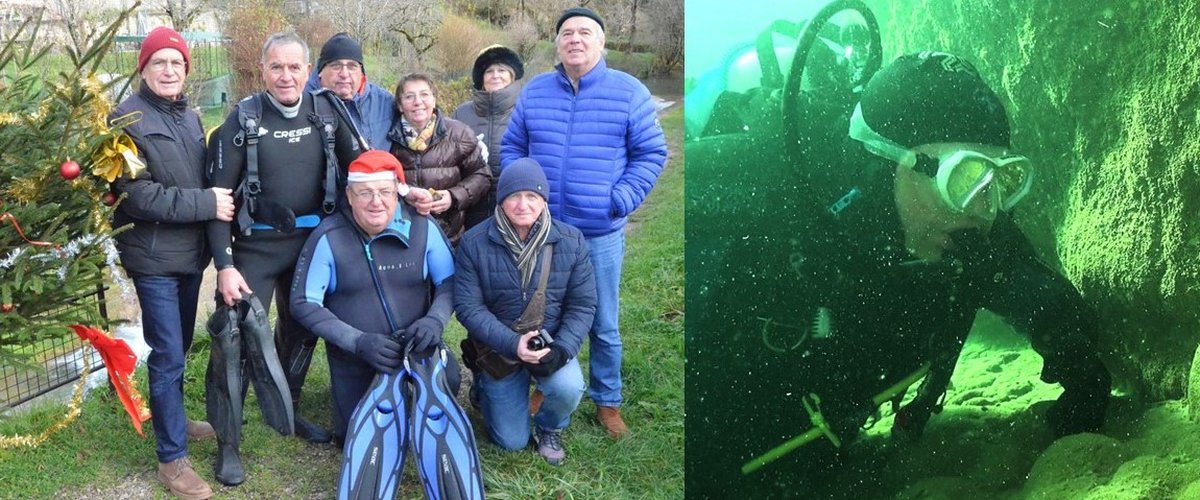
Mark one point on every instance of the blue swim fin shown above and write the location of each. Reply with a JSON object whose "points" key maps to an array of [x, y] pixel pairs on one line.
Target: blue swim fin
{"points": [[373, 457], [440, 433]]}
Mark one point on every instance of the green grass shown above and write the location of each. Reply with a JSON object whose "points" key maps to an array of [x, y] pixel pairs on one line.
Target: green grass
{"points": [[100, 456]]}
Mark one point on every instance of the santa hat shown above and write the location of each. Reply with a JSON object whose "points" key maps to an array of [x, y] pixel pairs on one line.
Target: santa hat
{"points": [[160, 38], [375, 165]]}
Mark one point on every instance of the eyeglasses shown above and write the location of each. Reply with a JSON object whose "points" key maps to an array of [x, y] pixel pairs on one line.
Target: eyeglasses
{"points": [[370, 194], [179, 65], [339, 66], [424, 96], [961, 175]]}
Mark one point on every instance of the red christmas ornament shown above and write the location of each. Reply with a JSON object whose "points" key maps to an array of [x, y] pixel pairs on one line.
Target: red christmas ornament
{"points": [[69, 170], [109, 198], [6, 308]]}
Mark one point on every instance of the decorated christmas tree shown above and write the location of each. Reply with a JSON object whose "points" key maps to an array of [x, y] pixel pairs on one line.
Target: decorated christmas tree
{"points": [[57, 157]]}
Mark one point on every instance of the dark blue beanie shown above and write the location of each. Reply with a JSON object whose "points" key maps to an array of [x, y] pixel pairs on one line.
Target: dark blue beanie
{"points": [[340, 46], [524, 174]]}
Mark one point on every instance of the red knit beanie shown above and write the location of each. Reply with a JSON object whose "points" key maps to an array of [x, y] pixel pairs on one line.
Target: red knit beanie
{"points": [[163, 37]]}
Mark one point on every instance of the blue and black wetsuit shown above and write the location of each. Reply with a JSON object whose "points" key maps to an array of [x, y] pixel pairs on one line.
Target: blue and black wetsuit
{"points": [[348, 285]]}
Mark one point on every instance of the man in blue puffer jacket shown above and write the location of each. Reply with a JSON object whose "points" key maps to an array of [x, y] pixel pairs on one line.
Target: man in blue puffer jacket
{"points": [[596, 134]]}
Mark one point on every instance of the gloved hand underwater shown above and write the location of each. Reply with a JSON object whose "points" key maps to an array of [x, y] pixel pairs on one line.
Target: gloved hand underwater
{"points": [[550, 363], [379, 351], [425, 333]]}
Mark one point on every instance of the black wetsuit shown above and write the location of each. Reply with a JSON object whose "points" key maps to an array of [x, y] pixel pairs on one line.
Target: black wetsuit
{"points": [[786, 299], [291, 168]]}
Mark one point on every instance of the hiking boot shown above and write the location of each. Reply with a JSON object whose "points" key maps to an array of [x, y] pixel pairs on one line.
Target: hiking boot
{"points": [[179, 477], [311, 432], [199, 430], [535, 401], [549, 446], [610, 418]]}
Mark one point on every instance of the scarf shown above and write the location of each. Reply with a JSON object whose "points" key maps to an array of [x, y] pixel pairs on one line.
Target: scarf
{"points": [[418, 140], [524, 253]]}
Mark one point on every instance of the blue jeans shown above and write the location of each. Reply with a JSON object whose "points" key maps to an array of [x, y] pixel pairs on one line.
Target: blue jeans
{"points": [[505, 403], [607, 253], [168, 320]]}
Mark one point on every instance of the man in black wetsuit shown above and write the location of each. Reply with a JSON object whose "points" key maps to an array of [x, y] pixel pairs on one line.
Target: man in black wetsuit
{"points": [[824, 271], [298, 187]]}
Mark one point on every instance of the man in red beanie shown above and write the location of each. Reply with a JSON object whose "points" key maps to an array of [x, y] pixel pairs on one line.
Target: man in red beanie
{"points": [[164, 252]]}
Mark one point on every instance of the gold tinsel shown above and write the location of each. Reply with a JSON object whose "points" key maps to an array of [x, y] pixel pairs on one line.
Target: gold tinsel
{"points": [[117, 153], [73, 411]]}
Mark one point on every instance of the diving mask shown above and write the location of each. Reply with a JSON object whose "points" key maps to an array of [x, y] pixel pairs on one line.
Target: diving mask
{"points": [[961, 175]]}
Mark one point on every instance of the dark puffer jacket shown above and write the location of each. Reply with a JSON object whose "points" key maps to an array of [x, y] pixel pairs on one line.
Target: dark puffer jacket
{"points": [[453, 162], [167, 203], [487, 113], [488, 297]]}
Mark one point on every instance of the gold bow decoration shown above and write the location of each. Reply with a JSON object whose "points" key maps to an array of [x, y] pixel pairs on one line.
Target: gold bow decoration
{"points": [[114, 156]]}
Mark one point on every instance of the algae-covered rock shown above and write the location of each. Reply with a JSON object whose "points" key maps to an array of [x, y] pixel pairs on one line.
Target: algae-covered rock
{"points": [[1073, 465], [1102, 97]]}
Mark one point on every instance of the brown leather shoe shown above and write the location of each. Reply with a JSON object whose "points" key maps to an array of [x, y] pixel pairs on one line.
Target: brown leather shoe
{"points": [[610, 418], [199, 430], [535, 401], [179, 477]]}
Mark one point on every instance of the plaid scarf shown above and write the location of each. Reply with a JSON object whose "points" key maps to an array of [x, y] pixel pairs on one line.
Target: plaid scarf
{"points": [[418, 141], [524, 253]]}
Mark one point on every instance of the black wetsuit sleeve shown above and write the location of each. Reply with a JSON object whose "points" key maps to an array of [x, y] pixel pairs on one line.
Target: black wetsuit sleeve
{"points": [[315, 270], [226, 165], [443, 302], [1041, 302]]}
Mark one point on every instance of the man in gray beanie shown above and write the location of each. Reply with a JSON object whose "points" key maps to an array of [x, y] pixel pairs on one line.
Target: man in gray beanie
{"points": [[850, 266]]}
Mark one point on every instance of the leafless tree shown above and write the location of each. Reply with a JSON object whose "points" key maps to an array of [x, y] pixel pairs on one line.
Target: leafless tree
{"points": [[183, 13], [369, 21], [82, 20], [666, 33]]}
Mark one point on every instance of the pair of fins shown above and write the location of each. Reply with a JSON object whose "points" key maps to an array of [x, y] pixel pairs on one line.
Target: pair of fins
{"points": [[411, 409], [243, 345]]}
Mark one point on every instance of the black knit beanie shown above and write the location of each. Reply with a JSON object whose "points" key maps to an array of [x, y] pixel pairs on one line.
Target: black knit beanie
{"points": [[578, 11], [931, 97], [339, 46], [492, 55]]}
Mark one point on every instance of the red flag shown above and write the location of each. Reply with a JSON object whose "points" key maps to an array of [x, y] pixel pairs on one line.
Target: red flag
{"points": [[121, 361]]}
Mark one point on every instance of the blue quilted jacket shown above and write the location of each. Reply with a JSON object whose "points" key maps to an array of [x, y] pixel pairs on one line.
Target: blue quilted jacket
{"points": [[602, 149]]}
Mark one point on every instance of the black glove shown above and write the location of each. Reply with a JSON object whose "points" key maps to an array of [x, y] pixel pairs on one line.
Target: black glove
{"points": [[425, 333], [274, 214], [550, 363], [379, 351]]}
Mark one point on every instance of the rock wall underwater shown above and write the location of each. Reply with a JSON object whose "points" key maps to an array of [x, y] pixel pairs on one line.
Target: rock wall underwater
{"points": [[1105, 98]]}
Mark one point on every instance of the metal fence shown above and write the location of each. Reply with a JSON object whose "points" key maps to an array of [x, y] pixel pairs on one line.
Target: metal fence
{"points": [[57, 361]]}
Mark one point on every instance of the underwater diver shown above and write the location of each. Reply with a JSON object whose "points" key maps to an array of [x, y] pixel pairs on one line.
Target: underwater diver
{"points": [[828, 270], [375, 280]]}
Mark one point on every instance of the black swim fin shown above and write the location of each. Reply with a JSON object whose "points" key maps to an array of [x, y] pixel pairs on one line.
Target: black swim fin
{"points": [[373, 457], [440, 432], [263, 367]]}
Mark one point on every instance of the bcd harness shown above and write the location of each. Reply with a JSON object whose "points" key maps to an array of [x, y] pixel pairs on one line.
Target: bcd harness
{"points": [[325, 105]]}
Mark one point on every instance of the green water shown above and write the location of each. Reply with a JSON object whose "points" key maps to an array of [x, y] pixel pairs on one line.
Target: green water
{"points": [[1103, 99]]}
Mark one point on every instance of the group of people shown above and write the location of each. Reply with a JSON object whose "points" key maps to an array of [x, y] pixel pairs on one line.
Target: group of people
{"points": [[366, 218]]}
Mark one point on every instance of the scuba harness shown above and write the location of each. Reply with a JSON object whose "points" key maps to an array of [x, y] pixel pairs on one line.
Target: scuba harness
{"points": [[260, 213]]}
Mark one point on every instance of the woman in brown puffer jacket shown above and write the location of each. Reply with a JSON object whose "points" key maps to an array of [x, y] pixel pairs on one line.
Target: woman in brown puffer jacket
{"points": [[438, 153]]}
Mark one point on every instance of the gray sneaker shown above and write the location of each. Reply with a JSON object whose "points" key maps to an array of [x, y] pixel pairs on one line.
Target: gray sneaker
{"points": [[549, 446]]}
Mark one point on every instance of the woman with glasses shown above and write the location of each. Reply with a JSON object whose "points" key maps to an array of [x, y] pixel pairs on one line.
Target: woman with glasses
{"points": [[438, 153]]}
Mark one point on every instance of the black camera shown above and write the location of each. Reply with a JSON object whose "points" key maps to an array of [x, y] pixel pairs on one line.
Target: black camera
{"points": [[541, 341]]}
